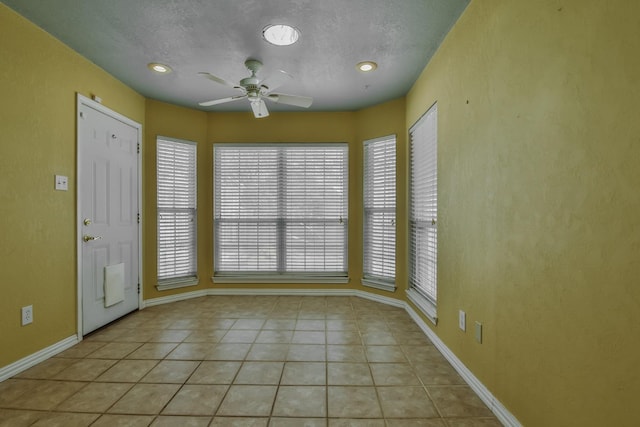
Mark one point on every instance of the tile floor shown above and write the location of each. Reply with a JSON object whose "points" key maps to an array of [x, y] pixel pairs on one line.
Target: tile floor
{"points": [[248, 361]]}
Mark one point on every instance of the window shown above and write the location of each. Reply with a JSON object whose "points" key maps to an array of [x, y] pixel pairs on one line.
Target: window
{"points": [[280, 211], [423, 213], [379, 249], [176, 164]]}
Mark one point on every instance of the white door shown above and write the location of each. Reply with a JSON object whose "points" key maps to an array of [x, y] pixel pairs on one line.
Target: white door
{"points": [[108, 214]]}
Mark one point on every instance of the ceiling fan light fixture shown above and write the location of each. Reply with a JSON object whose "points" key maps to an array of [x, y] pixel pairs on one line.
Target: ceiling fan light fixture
{"points": [[280, 34], [159, 68], [367, 66]]}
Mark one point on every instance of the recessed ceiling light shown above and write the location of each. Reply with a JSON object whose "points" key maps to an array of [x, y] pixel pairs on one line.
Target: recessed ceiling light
{"points": [[366, 66], [281, 35], [159, 68]]}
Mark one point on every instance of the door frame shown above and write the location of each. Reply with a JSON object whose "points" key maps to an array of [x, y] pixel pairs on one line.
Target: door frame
{"points": [[83, 100]]}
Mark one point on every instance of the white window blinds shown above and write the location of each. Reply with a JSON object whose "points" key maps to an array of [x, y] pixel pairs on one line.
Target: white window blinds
{"points": [[379, 249], [177, 208], [280, 208], [423, 235]]}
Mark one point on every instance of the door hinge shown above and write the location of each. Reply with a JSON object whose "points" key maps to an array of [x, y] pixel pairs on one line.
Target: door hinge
{"points": [[138, 148], [138, 288], [138, 218]]}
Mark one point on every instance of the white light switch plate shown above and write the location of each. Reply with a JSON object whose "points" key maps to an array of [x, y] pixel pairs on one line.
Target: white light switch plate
{"points": [[462, 320], [62, 183]]}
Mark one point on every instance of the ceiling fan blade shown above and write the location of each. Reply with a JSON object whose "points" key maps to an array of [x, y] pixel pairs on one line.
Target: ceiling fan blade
{"points": [[221, 100], [259, 109], [275, 80], [298, 101], [219, 80]]}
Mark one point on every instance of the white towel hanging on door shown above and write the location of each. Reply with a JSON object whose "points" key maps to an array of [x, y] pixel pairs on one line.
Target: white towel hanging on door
{"points": [[113, 284]]}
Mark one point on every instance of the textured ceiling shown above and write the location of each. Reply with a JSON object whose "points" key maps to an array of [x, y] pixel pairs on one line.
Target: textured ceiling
{"points": [[217, 36]]}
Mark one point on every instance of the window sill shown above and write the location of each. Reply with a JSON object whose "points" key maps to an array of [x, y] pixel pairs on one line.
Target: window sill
{"points": [[424, 305], [273, 279], [183, 282], [378, 284]]}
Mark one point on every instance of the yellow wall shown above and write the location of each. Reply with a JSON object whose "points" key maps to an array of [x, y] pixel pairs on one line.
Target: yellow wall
{"points": [[39, 78], [539, 201]]}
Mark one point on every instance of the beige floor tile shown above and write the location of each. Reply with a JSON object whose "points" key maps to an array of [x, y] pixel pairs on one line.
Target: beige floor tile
{"points": [[346, 422], [300, 401], [123, 421], [47, 369], [14, 388], [279, 324], [95, 397], [310, 325], [145, 399], [422, 353], [248, 324], [342, 325], [18, 418], [304, 373], [171, 371], [85, 370], [153, 351], [181, 421], [228, 352], [385, 354], [349, 374], [127, 371], [458, 401], [193, 399], [62, 419], [248, 400], [344, 338], [205, 336], [410, 337], [114, 350], [437, 373], [215, 373], [258, 373], [268, 352], [137, 335], [393, 374], [295, 360], [191, 351], [406, 402], [240, 336], [346, 353], [420, 422], [239, 422], [297, 422], [275, 336], [473, 422], [81, 349], [46, 395], [170, 335], [307, 353], [353, 402]]}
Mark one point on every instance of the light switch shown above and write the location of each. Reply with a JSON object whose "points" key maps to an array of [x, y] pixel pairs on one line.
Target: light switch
{"points": [[62, 183]]}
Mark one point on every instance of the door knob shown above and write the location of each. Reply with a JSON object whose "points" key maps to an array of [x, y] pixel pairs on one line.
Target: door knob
{"points": [[90, 238]]}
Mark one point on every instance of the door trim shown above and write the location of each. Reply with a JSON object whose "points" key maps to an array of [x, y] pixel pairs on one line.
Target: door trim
{"points": [[83, 100]]}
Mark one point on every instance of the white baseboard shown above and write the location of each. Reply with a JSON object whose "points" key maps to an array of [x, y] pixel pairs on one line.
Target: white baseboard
{"points": [[499, 410], [173, 298], [40, 356]]}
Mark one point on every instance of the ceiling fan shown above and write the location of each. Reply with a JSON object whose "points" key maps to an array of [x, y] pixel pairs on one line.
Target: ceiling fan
{"points": [[257, 90]]}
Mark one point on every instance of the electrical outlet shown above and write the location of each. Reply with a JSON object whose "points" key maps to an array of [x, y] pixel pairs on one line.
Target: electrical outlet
{"points": [[27, 315], [462, 320], [479, 332], [62, 183]]}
